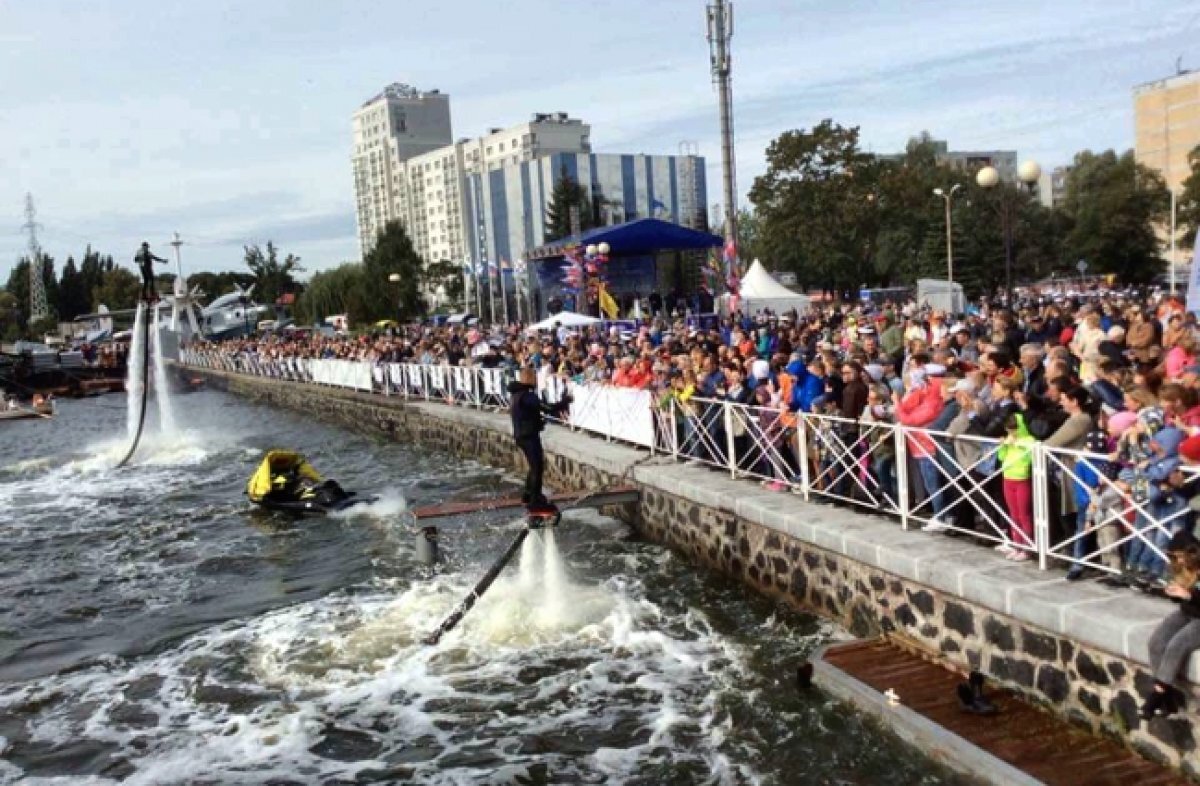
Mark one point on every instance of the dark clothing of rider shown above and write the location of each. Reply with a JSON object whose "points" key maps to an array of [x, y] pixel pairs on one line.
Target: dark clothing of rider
{"points": [[529, 418], [145, 261]]}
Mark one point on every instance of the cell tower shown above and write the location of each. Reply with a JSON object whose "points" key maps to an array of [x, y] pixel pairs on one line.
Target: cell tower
{"points": [[38, 307], [720, 31]]}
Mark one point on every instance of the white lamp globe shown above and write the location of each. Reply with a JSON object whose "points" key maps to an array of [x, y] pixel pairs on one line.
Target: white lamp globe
{"points": [[604, 248], [591, 250], [394, 278], [987, 177], [1029, 172]]}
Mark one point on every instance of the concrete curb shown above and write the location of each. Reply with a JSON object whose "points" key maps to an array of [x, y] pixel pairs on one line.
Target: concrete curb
{"points": [[939, 744]]}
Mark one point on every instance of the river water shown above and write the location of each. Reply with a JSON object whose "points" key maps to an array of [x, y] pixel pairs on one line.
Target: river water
{"points": [[155, 629]]}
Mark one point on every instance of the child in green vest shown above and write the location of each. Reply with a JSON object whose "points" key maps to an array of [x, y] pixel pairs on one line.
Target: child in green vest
{"points": [[1016, 461]]}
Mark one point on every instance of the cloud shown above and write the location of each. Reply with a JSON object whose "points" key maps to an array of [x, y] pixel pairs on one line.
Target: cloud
{"points": [[230, 122]]}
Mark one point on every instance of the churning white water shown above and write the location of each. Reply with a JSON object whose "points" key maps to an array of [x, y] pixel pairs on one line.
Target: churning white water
{"points": [[155, 629]]}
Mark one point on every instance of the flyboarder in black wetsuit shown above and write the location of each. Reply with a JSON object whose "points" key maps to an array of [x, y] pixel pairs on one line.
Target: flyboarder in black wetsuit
{"points": [[145, 261], [529, 418]]}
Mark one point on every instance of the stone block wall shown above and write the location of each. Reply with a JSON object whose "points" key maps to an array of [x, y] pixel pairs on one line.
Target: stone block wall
{"points": [[1092, 687]]}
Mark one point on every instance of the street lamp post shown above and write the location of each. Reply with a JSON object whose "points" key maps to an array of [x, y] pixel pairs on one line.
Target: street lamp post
{"points": [[1028, 173], [947, 197], [395, 279]]}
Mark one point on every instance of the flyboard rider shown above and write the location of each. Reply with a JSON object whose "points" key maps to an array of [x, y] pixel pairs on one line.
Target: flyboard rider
{"points": [[529, 413], [145, 261]]}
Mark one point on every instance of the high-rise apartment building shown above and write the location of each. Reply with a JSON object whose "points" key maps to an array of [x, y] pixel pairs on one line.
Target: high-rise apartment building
{"points": [[1166, 130], [483, 200], [389, 129]]}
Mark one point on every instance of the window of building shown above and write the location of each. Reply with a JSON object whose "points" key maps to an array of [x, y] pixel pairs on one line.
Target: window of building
{"points": [[489, 150]]}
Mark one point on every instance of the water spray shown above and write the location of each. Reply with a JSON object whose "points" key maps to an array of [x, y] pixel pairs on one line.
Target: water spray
{"points": [[489, 578], [144, 317]]}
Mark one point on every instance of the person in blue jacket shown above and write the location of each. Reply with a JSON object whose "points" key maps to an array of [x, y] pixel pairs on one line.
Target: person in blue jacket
{"points": [[810, 384]]}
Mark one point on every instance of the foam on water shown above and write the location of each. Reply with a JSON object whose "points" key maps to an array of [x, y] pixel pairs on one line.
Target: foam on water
{"points": [[391, 503], [540, 657]]}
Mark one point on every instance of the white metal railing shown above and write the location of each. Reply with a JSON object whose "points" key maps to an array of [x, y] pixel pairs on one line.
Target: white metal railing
{"points": [[906, 472]]}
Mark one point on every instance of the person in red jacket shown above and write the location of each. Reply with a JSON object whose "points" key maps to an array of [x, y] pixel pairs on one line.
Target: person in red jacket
{"points": [[918, 408]]}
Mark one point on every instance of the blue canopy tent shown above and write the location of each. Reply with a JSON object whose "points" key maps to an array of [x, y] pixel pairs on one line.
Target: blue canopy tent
{"points": [[636, 250]]}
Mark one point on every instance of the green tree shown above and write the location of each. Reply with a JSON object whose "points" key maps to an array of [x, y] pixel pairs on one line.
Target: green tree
{"points": [[1188, 206], [447, 275], [1113, 204], [73, 298], [749, 226], [336, 291], [18, 287], [818, 205], [271, 276], [568, 194], [50, 284], [393, 253], [11, 326], [118, 288]]}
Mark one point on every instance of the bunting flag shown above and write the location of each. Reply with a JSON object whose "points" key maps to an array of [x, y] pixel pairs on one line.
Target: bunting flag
{"points": [[607, 303]]}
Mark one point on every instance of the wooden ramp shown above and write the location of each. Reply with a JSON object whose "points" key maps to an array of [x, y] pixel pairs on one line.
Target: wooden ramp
{"points": [[1022, 744], [590, 499]]}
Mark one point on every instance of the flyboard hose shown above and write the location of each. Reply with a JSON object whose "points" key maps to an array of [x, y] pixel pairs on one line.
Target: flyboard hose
{"points": [[484, 583], [145, 383]]}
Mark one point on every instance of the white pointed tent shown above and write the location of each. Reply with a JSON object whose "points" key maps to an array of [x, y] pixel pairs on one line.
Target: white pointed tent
{"points": [[760, 291]]}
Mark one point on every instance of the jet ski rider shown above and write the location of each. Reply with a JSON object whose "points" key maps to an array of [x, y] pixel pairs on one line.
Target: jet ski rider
{"points": [[529, 413]]}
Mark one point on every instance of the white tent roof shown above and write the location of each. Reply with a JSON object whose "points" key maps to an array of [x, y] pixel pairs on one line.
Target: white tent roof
{"points": [[758, 284], [759, 290], [564, 318]]}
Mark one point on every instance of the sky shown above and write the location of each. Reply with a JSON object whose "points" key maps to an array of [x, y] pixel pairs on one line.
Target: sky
{"points": [[229, 122]]}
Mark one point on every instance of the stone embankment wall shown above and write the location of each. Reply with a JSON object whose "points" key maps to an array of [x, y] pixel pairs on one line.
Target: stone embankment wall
{"points": [[1079, 649]]}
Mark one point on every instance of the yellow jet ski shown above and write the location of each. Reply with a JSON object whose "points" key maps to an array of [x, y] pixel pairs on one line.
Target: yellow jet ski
{"points": [[286, 481]]}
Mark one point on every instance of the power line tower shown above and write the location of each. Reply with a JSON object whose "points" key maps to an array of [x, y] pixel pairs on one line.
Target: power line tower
{"points": [[38, 307], [720, 31]]}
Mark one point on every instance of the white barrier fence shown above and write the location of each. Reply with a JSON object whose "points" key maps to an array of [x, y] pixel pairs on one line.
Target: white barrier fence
{"points": [[936, 480]]}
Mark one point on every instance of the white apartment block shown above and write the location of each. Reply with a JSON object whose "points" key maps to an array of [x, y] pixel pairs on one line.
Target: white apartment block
{"points": [[435, 188], [407, 168], [389, 129]]}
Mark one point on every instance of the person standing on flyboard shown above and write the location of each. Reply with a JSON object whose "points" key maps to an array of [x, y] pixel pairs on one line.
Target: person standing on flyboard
{"points": [[145, 261], [529, 418]]}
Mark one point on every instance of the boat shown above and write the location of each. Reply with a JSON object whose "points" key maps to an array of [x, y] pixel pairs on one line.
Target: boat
{"points": [[21, 414], [286, 481], [41, 408]]}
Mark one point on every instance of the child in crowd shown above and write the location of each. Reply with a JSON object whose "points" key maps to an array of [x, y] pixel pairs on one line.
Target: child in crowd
{"points": [[1016, 460], [1155, 483]]}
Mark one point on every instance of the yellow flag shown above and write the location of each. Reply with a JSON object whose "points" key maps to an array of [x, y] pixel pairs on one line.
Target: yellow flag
{"points": [[608, 304]]}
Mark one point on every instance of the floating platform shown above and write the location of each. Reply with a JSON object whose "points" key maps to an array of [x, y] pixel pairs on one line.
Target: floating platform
{"points": [[1021, 745], [590, 499]]}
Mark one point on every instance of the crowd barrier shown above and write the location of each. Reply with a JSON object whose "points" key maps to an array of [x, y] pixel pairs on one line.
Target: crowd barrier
{"points": [[1078, 515]]}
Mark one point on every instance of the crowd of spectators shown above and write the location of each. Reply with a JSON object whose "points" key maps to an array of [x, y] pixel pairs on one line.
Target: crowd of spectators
{"points": [[1113, 375]]}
